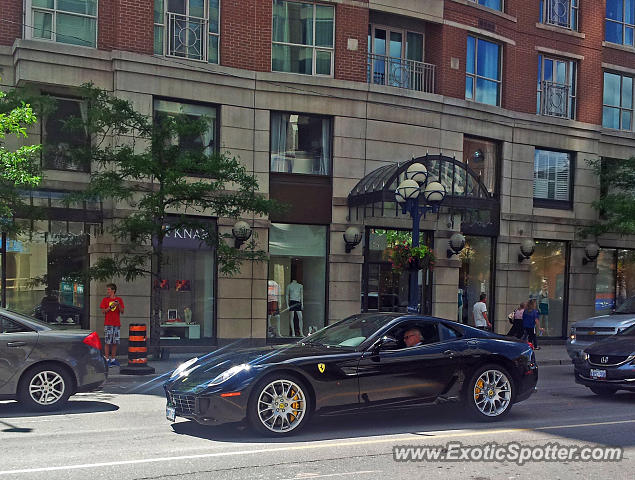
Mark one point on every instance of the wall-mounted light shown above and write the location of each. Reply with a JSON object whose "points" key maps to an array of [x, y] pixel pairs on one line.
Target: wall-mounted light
{"points": [[352, 237], [456, 244], [527, 248], [591, 253], [241, 232]]}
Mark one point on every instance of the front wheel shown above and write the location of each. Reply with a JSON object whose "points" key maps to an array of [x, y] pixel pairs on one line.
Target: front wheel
{"points": [[603, 391], [45, 387], [279, 405], [489, 393]]}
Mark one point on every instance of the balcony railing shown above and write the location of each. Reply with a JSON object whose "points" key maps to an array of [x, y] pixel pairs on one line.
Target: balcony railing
{"points": [[561, 13], [187, 36], [399, 72], [555, 100]]}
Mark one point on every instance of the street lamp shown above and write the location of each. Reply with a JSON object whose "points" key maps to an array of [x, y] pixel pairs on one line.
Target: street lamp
{"points": [[408, 195], [241, 232]]}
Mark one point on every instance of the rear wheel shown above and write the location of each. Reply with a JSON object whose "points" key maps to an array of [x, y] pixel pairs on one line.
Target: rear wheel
{"points": [[45, 387], [279, 405], [489, 393], [603, 391]]}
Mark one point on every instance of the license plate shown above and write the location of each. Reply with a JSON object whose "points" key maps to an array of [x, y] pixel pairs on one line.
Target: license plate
{"points": [[170, 413], [596, 373]]}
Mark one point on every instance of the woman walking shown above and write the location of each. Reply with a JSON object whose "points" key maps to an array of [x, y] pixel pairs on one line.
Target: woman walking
{"points": [[531, 322], [517, 321]]}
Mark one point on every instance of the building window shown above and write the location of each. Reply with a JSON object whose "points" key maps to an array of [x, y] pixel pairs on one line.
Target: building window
{"points": [[187, 29], [547, 285], [493, 4], [556, 87], [395, 58], [483, 73], [617, 111], [300, 144], [475, 277], [303, 38], [620, 21], [561, 13], [60, 141], [208, 139], [64, 21], [552, 177], [296, 287], [615, 280], [482, 158]]}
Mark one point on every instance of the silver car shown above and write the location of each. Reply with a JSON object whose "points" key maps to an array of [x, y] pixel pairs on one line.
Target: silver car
{"points": [[41, 366], [586, 332]]}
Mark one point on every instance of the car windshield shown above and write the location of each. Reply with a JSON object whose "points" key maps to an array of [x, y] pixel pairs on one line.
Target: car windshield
{"points": [[350, 332], [630, 331], [627, 307]]}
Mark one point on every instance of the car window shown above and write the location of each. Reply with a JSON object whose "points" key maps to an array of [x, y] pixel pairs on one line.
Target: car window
{"points": [[447, 333], [349, 332], [9, 326], [429, 332]]}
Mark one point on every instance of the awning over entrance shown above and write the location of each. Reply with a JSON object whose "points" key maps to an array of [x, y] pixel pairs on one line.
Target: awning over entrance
{"points": [[466, 195]]}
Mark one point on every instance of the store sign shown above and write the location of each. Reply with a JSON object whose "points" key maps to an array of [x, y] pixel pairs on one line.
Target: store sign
{"points": [[190, 238]]}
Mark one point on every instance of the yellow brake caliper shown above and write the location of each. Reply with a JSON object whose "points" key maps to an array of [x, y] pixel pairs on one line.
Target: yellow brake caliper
{"points": [[296, 406], [478, 389]]}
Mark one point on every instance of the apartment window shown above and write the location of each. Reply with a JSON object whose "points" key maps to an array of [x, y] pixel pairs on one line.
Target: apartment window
{"points": [[208, 139], [300, 144], [493, 4], [60, 142], [64, 21], [483, 71], [620, 21], [552, 179], [303, 38], [556, 87], [617, 110], [187, 29], [561, 13]]}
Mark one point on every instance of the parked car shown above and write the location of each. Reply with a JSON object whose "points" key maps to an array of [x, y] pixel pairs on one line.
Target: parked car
{"points": [[586, 332], [358, 363], [609, 365], [41, 366]]}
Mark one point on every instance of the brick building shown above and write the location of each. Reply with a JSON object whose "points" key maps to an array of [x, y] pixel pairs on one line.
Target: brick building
{"points": [[316, 96]]}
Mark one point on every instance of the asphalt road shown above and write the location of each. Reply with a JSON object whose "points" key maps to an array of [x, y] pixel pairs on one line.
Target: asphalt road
{"points": [[121, 433]]}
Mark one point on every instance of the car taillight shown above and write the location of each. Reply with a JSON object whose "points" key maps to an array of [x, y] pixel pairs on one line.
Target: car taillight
{"points": [[92, 340]]}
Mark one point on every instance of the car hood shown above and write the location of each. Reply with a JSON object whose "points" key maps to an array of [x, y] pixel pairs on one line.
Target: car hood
{"points": [[211, 365], [616, 319], [614, 345]]}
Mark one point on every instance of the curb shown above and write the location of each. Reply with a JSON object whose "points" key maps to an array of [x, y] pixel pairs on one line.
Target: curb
{"points": [[553, 362]]}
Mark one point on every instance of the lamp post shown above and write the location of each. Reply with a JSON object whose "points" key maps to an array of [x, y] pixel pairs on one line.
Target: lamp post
{"points": [[407, 196]]}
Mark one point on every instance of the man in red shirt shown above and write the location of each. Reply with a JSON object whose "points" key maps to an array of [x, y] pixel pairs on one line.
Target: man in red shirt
{"points": [[112, 306]]}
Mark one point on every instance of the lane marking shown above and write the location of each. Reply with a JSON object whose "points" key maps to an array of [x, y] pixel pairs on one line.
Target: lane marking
{"points": [[305, 447], [302, 476]]}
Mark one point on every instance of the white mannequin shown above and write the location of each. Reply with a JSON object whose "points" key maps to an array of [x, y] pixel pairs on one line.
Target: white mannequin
{"points": [[295, 303], [273, 306]]}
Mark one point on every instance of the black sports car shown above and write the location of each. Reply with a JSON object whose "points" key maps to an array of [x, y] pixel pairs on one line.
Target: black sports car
{"points": [[360, 362], [609, 365]]}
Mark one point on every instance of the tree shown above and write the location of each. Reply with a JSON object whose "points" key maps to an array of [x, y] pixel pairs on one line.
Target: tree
{"points": [[156, 166], [18, 168], [617, 199]]}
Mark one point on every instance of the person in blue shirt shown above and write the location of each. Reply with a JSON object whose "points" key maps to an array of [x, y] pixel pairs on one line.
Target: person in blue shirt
{"points": [[531, 322]]}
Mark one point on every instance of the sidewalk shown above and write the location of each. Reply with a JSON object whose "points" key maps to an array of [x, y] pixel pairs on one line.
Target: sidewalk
{"points": [[552, 355]]}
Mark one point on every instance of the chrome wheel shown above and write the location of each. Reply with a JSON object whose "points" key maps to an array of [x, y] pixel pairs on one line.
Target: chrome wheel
{"points": [[492, 393], [47, 387], [281, 406]]}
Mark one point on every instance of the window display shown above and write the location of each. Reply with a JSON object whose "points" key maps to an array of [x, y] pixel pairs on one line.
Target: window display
{"points": [[475, 276], [297, 280]]}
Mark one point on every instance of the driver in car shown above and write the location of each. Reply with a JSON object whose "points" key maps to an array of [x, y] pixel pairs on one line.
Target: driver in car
{"points": [[412, 337]]}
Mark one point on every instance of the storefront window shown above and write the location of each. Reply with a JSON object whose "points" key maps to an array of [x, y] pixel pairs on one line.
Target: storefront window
{"points": [[547, 285], [475, 277], [625, 276], [482, 157], [187, 288], [296, 287], [605, 282]]}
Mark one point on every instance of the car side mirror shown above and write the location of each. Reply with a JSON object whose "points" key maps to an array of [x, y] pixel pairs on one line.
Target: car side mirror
{"points": [[385, 343]]}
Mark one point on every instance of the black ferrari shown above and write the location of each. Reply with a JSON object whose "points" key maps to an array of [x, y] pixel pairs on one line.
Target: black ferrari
{"points": [[361, 362]]}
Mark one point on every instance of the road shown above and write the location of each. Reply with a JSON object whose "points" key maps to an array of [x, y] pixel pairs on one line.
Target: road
{"points": [[121, 433]]}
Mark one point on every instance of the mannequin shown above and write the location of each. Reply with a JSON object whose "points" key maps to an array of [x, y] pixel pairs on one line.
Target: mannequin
{"points": [[273, 308], [295, 302], [543, 305], [460, 306]]}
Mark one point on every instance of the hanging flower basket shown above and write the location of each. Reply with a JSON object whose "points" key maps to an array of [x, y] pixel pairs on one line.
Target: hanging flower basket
{"points": [[405, 257]]}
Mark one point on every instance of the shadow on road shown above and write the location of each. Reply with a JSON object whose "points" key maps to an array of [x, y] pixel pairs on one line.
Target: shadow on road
{"points": [[15, 409]]}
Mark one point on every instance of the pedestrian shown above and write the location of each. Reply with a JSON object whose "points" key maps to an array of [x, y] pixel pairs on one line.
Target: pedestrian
{"points": [[479, 312], [531, 322], [113, 308], [516, 319]]}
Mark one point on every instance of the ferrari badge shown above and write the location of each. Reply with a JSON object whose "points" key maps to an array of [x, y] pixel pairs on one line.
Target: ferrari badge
{"points": [[321, 367]]}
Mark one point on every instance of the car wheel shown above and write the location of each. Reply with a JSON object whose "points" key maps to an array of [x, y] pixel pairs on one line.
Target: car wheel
{"points": [[45, 387], [603, 391], [279, 405], [489, 393]]}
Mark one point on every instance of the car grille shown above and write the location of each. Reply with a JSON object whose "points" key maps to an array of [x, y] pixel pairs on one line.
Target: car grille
{"points": [[183, 404], [609, 360]]}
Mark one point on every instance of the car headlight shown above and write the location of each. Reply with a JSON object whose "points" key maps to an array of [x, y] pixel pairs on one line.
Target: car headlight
{"points": [[572, 333], [227, 374], [183, 367], [584, 356]]}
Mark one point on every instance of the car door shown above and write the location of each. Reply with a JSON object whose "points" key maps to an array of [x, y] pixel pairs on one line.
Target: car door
{"points": [[408, 375], [16, 343]]}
